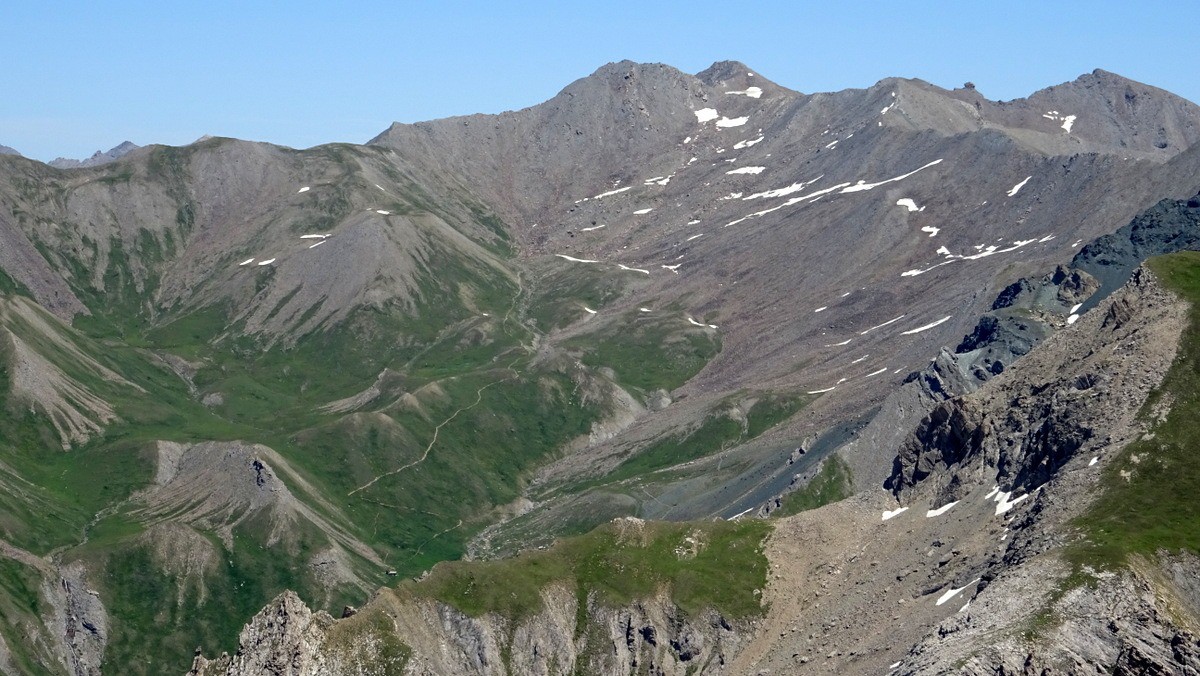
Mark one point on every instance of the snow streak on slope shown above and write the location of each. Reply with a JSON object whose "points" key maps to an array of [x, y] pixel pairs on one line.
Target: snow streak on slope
{"points": [[926, 327], [1017, 188], [863, 185]]}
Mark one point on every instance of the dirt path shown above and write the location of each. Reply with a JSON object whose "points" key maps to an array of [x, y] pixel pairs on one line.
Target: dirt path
{"points": [[436, 430]]}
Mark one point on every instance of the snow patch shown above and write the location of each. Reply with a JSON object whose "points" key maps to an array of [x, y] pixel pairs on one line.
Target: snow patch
{"points": [[1003, 504], [784, 192], [248, 261], [1017, 188], [875, 373], [381, 211], [304, 189], [880, 326], [747, 170], [726, 122], [827, 389], [613, 192], [694, 237], [926, 327], [1072, 319], [1075, 308], [894, 513], [639, 212], [672, 268], [822, 308], [623, 267], [813, 196], [909, 204], [1068, 121], [589, 310], [954, 592], [313, 246], [594, 227], [643, 309], [752, 92], [266, 262], [747, 143], [940, 510], [1094, 461], [931, 230], [576, 260], [914, 273], [706, 115], [863, 185], [314, 236]]}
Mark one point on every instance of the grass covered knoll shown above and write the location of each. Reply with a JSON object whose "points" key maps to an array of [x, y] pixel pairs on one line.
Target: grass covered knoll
{"points": [[718, 431], [649, 352], [717, 565], [831, 484], [1157, 507]]}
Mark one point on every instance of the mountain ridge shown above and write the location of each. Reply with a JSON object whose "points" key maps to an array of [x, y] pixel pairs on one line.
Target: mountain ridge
{"points": [[656, 295]]}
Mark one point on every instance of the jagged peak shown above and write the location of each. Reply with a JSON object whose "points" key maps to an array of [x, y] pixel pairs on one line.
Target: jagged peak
{"points": [[99, 157]]}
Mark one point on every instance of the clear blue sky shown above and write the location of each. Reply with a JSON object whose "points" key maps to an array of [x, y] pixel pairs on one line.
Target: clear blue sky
{"points": [[81, 76]]}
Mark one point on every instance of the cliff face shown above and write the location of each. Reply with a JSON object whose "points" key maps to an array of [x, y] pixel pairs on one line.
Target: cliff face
{"points": [[1045, 431], [419, 636], [1078, 393]]}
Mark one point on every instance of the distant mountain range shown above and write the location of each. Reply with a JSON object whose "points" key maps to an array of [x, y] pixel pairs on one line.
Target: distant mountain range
{"points": [[232, 369], [98, 158]]}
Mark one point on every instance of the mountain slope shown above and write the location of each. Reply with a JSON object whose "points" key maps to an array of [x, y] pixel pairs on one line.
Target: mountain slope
{"points": [[232, 369], [949, 579]]}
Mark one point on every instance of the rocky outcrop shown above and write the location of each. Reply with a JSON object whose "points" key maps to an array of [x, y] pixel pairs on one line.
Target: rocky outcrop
{"points": [[282, 639], [1024, 314], [429, 637], [966, 574], [1080, 393], [1170, 225], [1121, 623], [77, 619]]}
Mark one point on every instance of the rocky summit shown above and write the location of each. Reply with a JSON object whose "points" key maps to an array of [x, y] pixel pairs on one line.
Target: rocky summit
{"points": [[672, 374]]}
